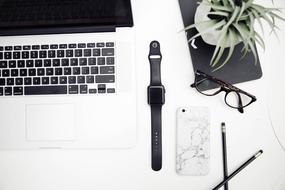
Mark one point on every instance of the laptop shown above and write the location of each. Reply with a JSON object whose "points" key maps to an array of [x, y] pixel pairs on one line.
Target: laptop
{"points": [[67, 74]]}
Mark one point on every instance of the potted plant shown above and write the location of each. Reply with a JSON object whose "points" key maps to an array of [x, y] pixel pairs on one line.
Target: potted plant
{"points": [[226, 23]]}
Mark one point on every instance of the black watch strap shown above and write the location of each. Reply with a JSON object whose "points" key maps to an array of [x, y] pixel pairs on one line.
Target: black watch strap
{"points": [[156, 140], [155, 83], [155, 62]]}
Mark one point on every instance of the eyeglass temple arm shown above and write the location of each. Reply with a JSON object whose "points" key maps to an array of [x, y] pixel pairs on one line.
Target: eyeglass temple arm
{"points": [[240, 109]]}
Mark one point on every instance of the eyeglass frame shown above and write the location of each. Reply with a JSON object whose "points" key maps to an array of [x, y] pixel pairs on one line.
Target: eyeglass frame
{"points": [[226, 87]]}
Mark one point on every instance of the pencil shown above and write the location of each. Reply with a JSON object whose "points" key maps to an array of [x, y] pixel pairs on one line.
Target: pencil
{"points": [[225, 162], [239, 169]]}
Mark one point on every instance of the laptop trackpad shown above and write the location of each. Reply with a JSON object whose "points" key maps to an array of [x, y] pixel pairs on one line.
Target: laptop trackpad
{"points": [[50, 122]]}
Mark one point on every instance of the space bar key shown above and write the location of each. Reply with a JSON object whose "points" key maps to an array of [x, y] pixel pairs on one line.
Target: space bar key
{"points": [[45, 90]]}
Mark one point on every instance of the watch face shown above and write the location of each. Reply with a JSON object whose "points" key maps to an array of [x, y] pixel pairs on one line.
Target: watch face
{"points": [[156, 95]]}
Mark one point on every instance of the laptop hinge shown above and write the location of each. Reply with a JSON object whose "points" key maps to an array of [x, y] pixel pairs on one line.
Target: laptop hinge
{"points": [[56, 30]]}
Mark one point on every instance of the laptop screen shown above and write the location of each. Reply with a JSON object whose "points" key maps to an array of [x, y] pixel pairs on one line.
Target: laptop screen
{"points": [[48, 13]]}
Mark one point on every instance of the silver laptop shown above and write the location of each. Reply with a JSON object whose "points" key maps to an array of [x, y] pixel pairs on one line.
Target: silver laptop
{"points": [[67, 74]]}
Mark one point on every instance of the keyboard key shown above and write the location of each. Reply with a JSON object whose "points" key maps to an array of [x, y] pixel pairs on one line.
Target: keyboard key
{"points": [[91, 61], [16, 55], [111, 90], [44, 46], [3, 64], [1, 48], [94, 70], [65, 62], [32, 72], [56, 62], [72, 46], [73, 89], [1, 91], [7, 55], [69, 53], [110, 60], [101, 61], [67, 71], [5, 73], [10, 81], [1, 55], [19, 81], [87, 53], [8, 48], [101, 88], [76, 70], [83, 61], [71, 80], [21, 63], [2, 82], [54, 80], [85, 70], [18, 91], [36, 80], [41, 72], [105, 79], [74, 62], [96, 52], [107, 70], [28, 81], [43, 54], [58, 71], [14, 72], [36, 47], [54, 46], [110, 44], [108, 52], [81, 45], [49, 71], [83, 89], [8, 91], [81, 79], [23, 72], [45, 80], [38, 63], [29, 63], [100, 44], [26, 47], [60, 53], [91, 45], [17, 48], [90, 79], [45, 90], [63, 46], [34, 54], [92, 91], [47, 62], [25, 55], [51, 54], [63, 80], [78, 53]]}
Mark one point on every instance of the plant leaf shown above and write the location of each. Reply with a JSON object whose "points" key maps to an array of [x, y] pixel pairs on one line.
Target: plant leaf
{"points": [[220, 13], [216, 26], [232, 39], [241, 11], [218, 7]]}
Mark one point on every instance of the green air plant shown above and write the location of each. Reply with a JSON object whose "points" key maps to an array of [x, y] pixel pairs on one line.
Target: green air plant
{"points": [[234, 21]]}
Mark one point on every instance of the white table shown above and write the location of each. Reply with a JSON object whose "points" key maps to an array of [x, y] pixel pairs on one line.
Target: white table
{"points": [[129, 169]]}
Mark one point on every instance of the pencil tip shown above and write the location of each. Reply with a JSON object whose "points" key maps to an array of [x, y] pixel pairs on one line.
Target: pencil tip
{"points": [[258, 153]]}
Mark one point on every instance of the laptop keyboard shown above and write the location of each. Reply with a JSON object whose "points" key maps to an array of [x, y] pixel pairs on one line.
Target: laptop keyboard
{"points": [[82, 68]]}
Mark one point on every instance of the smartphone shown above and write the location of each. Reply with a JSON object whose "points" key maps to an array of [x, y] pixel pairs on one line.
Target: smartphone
{"points": [[193, 141]]}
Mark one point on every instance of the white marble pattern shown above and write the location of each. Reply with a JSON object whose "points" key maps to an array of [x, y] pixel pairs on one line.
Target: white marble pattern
{"points": [[193, 141]]}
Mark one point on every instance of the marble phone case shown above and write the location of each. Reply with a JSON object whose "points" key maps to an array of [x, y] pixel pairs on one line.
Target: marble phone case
{"points": [[193, 141]]}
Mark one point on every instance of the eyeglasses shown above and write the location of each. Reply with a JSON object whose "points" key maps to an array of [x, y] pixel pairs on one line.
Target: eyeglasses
{"points": [[234, 98]]}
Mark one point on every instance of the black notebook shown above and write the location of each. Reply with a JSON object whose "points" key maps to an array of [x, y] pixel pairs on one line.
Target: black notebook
{"points": [[237, 70]]}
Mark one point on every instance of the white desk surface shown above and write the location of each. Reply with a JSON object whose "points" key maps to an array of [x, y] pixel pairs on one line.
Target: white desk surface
{"points": [[130, 169]]}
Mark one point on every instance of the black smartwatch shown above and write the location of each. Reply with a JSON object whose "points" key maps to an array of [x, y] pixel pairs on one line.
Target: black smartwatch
{"points": [[156, 98]]}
